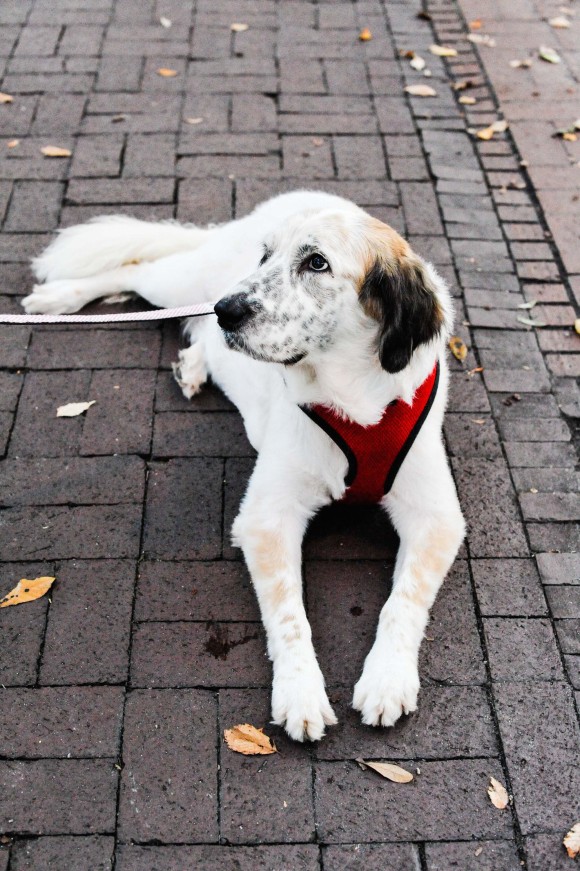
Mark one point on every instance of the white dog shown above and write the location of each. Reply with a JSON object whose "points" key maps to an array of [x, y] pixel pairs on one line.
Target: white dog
{"points": [[328, 324]]}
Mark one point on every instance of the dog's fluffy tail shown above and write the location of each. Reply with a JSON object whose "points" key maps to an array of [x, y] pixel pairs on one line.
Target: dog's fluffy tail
{"points": [[110, 241]]}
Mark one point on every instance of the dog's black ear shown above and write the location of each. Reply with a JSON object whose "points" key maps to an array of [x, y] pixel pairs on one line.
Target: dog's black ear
{"points": [[398, 293]]}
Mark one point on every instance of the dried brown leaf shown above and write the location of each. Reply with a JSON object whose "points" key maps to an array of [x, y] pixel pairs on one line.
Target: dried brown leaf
{"points": [[13, 143], [6, 98], [27, 591], [317, 141], [55, 151], [238, 27], [424, 16], [476, 24], [570, 137], [458, 348], [388, 770], [365, 35], [572, 841], [73, 409], [463, 85], [497, 794], [421, 91], [248, 740], [166, 73], [442, 50]]}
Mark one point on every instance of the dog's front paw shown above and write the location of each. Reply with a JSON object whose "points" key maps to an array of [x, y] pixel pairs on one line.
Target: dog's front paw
{"points": [[386, 689], [54, 298], [190, 371], [300, 703]]}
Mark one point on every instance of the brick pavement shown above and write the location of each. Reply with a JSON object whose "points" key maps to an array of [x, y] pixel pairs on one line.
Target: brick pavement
{"points": [[116, 688]]}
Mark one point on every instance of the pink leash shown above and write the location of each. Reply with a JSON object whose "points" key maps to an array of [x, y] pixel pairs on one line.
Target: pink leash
{"points": [[162, 314]]}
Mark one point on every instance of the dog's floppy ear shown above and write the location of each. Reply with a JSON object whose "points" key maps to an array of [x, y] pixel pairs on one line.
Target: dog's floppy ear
{"points": [[397, 291]]}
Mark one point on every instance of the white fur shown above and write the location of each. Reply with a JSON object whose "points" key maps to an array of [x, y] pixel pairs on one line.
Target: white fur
{"points": [[299, 469]]}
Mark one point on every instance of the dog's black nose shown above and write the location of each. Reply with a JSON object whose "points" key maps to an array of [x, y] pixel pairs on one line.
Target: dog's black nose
{"points": [[232, 311]]}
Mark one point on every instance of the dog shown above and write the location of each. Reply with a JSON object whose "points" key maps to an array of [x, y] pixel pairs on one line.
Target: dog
{"points": [[327, 322]]}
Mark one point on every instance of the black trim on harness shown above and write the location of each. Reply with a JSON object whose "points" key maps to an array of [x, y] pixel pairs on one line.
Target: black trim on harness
{"points": [[398, 461], [338, 440]]}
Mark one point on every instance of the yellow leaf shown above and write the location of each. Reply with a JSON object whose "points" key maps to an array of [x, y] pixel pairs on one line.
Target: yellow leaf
{"points": [[577, 325], [476, 25], [572, 841], [497, 794], [13, 143], [496, 127], [458, 348], [248, 740], [388, 770], [27, 591], [569, 137], [6, 98], [420, 91], [73, 409], [55, 151], [365, 35], [193, 120], [166, 73], [467, 101], [239, 28], [559, 22], [549, 54], [442, 50]]}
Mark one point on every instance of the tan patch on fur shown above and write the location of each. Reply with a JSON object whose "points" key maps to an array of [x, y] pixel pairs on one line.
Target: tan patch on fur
{"points": [[433, 564], [269, 552], [383, 244]]}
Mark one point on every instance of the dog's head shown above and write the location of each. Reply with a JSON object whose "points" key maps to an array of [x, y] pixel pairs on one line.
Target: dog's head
{"points": [[326, 274]]}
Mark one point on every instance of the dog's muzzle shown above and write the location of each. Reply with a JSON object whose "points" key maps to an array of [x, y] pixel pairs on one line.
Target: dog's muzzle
{"points": [[234, 311]]}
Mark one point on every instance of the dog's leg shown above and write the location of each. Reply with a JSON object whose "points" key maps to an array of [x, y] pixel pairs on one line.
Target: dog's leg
{"points": [[69, 295], [425, 511], [270, 529], [190, 371]]}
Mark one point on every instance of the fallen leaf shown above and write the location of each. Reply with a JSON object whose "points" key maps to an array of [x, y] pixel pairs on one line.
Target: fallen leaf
{"points": [[509, 400], [467, 101], [549, 54], [529, 304], [166, 73], [248, 740], [73, 409], [13, 143], [418, 63], [317, 141], [388, 770], [572, 841], [26, 591], [559, 23], [420, 91], [497, 794], [365, 35], [577, 325], [496, 127], [193, 120], [424, 16], [482, 39], [475, 371], [476, 25], [458, 348], [239, 28], [478, 420], [55, 151], [463, 85], [165, 22], [533, 490], [570, 137], [521, 64], [529, 322], [478, 852], [442, 50], [6, 98]]}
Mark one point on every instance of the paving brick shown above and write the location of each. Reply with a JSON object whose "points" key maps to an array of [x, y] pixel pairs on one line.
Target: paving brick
{"points": [[307, 157], [10, 386], [169, 779], [373, 857], [473, 856], [490, 508], [568, 632], [13, 344], [540, 734], [34, 206], [95, 599], [550, 506], [36, 796], [251, 113], [421, 212], [447, 799], [564, 601], [216, 434], [471, 437], [127, 398], [98, 349], [85, 853], [81, 722], [195, 591], [302, 857], [546, 853], [184, 495], [520, 649], [113, 191], [97, 156], [508, 588], [149, 155], [547, 430], [539, 454], [22, 629], [205, 201], [282, 782]]}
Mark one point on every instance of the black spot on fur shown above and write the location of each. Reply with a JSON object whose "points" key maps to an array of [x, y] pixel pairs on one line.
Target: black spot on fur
{"points": [[405, 304]]}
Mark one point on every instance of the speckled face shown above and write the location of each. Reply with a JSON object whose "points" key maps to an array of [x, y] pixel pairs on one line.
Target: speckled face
{"points": [[291, 305]]}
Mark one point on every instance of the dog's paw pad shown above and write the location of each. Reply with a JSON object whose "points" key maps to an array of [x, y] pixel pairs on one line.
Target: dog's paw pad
{"points": [[300, 704], [384, 696]]}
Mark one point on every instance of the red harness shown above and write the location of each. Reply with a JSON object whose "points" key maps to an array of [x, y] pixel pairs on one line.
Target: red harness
{"points": [[375, 453]]}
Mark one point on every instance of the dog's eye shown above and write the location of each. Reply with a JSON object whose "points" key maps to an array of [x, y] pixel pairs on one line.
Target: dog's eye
{"points": [[318, 264]]}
